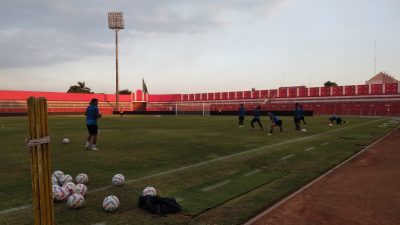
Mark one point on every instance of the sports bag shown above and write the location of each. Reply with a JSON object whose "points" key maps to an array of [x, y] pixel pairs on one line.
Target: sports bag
{"points": [[158, 205]]}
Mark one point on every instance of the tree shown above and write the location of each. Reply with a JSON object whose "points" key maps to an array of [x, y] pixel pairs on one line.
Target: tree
{"points": [[125, 92], [330, 84], [80, 87]]}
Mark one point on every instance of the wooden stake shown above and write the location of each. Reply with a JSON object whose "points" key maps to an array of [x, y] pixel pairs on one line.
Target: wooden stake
{"points": [[40, 163]]}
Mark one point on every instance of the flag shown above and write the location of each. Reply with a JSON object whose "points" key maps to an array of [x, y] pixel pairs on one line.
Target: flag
{"points": [[144, 87]]}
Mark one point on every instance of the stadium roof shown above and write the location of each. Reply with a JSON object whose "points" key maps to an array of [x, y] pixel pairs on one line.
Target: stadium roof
{"points": [[382, 78]]}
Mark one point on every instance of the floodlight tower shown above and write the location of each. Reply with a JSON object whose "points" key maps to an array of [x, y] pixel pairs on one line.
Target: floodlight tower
{"points": [[116, 22]]}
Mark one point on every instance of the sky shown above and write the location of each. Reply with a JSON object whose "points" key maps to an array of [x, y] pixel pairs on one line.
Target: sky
{"points": [[193, 46]]}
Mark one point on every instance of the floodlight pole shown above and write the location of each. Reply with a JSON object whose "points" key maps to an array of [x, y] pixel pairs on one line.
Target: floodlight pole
{"points": [[116, 22], [116, 71]]}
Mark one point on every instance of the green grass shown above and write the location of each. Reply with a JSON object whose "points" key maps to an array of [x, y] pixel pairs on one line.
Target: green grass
{"points": [[197, 199], [175, 154]]}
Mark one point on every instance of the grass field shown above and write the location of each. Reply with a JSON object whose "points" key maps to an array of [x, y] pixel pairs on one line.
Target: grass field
{"points": [[179, 156]]}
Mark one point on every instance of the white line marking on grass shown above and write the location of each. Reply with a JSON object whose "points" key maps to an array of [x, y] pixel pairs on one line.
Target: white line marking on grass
{"points": [[220, 184], [286, 157], [309, 149], [325, 143], [250, 222], [15, 209], [252, 172], [212, 160]]}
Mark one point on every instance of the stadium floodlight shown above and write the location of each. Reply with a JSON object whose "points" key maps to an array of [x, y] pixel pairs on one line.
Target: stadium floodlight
{"points": [[116, 22]]}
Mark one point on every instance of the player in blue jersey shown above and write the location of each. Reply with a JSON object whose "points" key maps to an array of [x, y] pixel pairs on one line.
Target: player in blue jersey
{"points": [[297, 116], [276, 121], [242, 112], [92, 114], [302, 115], [256, 118], [336, 119]]}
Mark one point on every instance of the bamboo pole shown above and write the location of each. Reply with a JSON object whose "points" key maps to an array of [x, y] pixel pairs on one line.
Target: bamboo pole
{"points": [[32, 135], [40, 162]]}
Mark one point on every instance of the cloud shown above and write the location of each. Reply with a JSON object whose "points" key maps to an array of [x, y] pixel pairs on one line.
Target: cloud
{"points": [[44, 32]]}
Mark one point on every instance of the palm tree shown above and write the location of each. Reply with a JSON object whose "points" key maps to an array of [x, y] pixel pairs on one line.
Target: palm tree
{"points": [[79, 88], [125, 92], [330, 84]]}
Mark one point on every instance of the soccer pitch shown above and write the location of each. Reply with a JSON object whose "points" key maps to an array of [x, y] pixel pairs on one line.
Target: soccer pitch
{"points": [[188, 157]]}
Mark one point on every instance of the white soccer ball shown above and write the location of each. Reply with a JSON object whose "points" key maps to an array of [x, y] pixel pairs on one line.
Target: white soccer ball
{"points": [[69, 186], [60, 193], [58, 174], [76, 201], [303, 130], [110, 203], [65, 179], [54, 180], [149, 191], [65, 141], [81, 178], [330, 124], [118, 179], [80, 189]]}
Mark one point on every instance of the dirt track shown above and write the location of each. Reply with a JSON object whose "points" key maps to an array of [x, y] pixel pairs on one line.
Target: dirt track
{"points": [[365, 190]]}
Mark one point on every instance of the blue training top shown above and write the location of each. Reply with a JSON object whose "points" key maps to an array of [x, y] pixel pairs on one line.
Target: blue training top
{"points": [[274, 118], [242, 111], [256, 114], [334, 118], [297, 112], [302, 112], [92, 113]]}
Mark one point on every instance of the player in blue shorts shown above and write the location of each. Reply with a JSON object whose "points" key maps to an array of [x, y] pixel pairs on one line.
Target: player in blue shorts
{"points": [[92, 114], [276, 121], [302, 115], [256, 118], [297, 116], [242, 112]]}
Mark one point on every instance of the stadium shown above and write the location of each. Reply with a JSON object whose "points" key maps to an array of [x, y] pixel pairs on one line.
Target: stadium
{"points": [[379, 96], [195, 164]]}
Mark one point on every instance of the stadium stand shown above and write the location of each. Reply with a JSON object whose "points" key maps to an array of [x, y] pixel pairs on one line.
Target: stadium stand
{"points": [[376, 98]]}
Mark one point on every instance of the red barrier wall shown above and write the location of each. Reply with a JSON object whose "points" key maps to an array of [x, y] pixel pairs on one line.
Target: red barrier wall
{"points": [[314, 92], [350, 90], [337, 90], [363, 89], [376, 89]]}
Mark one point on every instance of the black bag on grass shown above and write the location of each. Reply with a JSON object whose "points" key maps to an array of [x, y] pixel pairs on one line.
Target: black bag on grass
{"points": [[158, 205]]}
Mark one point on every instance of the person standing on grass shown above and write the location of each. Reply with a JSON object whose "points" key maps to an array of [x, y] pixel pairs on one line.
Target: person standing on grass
{"points": [[302, 115], [297, 116], [92, 114], [276, 121], [219, 110], [256, 114], [242, 112]]}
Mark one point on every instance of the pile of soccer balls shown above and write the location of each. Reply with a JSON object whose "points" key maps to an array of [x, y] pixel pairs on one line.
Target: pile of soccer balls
{"points": [[64, 189]]}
